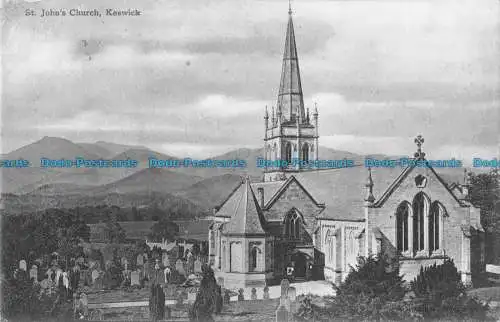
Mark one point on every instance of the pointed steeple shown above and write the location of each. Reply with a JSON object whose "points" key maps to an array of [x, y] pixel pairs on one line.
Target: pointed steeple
{"points": [[290, 98], [246, 218]]}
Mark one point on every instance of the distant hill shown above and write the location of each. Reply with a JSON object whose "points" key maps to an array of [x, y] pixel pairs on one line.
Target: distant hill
{"points": [[149, 180], [210, 192], [107, 149], [52, 148]]}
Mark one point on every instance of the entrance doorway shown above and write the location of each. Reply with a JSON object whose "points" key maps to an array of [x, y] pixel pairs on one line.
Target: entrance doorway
{"points": [[300, 267]]}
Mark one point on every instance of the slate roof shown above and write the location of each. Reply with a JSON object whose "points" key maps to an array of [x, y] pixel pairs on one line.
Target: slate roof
{"points": [[247, 218], [270, 189]]}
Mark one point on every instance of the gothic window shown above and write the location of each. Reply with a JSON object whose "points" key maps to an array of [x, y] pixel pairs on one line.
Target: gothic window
{"points": [[292, 225], [253, 259], [305, 152], [434, 218], [419, 212], [288, 152], [402, 215], [330, 250]]}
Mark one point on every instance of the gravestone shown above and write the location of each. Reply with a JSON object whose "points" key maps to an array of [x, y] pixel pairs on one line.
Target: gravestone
{"points": [[34, 273], [266, 293], [167, 273], [253, 296], [292, 297], [282, 314], [108, 265], [140, 260], [123, 261], [95, 275], [190, 265], [227, 297], [191, 297], [241, 297], [135, 278], [22, 265], [179, 267], [84, 303], [145, 256], [197, 266], [165, 260], [285, 285]]}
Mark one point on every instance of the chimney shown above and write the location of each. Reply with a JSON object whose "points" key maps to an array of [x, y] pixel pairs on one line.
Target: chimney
{"points": [[260, 192]]}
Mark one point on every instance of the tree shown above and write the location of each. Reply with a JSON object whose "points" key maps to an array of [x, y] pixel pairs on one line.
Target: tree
{"points": [[165, 228], [157, 302], [208, 299], [368, 290], [485, 194]]}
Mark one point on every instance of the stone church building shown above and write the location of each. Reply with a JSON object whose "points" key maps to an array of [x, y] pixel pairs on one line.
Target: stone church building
{"points": [[320, 221]]}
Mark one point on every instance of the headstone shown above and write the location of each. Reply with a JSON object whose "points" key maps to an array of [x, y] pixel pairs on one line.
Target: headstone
{"points": [[167, 273], [58, 275], [84, 302], [123, 261], [140, 260], [292, 296], [285, 285], [227, 297], [108, 265], [197, 266], [34, 273], [99, 282], [165, 260], [145, 255], [190, 265], [191, 297], [241, 297], [135, 278], [95, 275], [253, 296], [179, 267], [266, 293], [22, 265], [281, 314]]}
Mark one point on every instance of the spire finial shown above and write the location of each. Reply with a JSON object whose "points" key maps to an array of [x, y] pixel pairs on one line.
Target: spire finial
{"points": [[419, 140], [290, 7], [369, 199]]}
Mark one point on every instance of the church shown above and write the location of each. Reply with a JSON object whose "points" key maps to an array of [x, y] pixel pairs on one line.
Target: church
{"points": [[320, 221]]}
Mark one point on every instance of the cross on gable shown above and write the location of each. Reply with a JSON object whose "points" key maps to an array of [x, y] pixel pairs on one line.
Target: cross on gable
{"points": [[419, 140]]}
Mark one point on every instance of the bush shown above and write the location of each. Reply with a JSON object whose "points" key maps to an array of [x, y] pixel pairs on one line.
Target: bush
{"points": [[440, 293], [208, 300], [369, 291], [157, 303]]}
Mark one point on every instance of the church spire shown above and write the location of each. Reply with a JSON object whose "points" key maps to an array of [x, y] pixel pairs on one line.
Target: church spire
{"points": [[290, 98]]}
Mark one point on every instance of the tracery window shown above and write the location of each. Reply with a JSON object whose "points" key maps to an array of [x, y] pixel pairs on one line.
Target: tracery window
{"points": [[402, 215], [288, 152], [292, 225], [419, 212], [434, 218], [305, 152]]}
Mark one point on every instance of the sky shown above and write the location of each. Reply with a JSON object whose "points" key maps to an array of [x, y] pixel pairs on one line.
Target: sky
{"points": [[192, 78]]}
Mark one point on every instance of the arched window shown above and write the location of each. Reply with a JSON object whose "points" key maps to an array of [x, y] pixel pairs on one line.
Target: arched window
{"points": [[330, 247], [402, 214], [253, 259], [420, 206], [275, 151], [434, 217], [305, 152], [288, 152], [292, 225]]}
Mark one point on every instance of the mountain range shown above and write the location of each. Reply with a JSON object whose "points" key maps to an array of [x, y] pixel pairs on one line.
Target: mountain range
{"points": [[35, 188]]}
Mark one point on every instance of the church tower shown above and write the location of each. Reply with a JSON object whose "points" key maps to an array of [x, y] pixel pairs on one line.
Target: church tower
{"points": [[291, 134]]}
